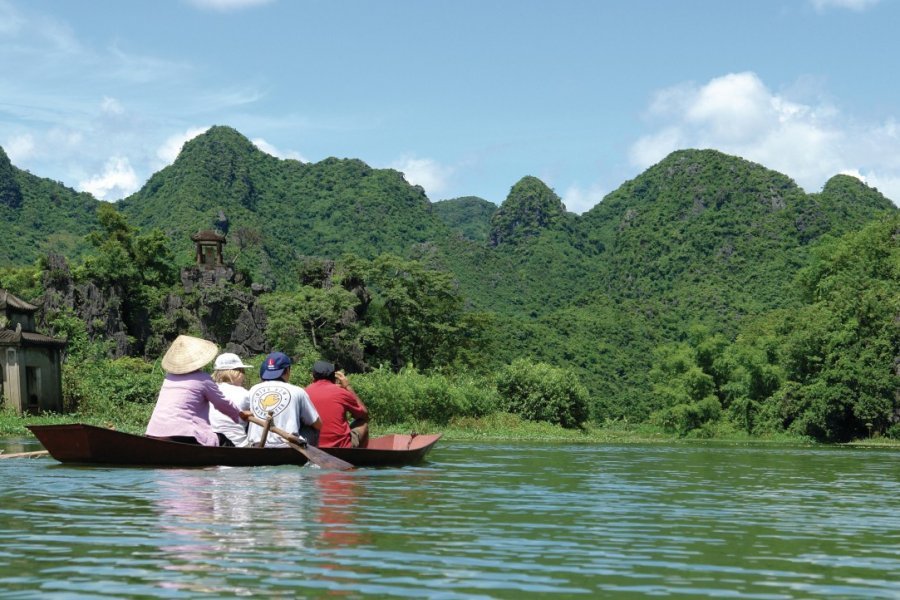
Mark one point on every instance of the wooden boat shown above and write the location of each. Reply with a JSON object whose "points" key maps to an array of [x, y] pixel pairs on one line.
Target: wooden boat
{"points": [[87, 444]]}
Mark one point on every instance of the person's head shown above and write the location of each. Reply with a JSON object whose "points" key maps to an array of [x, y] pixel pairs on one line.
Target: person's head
{"points": [[188, 354], [276, 366], [323, 369], [229, 368]]}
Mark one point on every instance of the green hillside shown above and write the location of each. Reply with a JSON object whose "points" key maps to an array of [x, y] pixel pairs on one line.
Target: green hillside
{"points": [[691, 250], [38, 216], [711, 236], [276, 211], [700, 239], [469, 216]]}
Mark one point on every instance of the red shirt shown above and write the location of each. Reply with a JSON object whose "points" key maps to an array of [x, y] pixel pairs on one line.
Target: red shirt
{"points": [[333, 402]]}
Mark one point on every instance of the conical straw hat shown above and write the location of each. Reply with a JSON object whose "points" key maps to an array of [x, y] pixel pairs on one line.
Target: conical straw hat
{"points": [[188, 354]]}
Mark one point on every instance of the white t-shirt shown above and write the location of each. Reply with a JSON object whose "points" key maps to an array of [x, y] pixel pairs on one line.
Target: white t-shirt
{"points": [[236, 432], [289, 405]]}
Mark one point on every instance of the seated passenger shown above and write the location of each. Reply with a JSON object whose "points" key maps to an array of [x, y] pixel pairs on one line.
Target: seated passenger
{"points": [[182, 409], [287, 403], [333, 398], [228, 372]]}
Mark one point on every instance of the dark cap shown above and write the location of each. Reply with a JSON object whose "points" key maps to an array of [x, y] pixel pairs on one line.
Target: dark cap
{"points": [[274, 366], [323, 370]]}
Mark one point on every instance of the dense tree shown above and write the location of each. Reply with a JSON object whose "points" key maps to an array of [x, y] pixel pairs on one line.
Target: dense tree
{"points": [[10, 192], [363, 313], [826, 369], [696, 256], [469, 217]]}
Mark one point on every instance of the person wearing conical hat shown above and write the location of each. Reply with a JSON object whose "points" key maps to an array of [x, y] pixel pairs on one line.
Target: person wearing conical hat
{"points": [[181, 413]]}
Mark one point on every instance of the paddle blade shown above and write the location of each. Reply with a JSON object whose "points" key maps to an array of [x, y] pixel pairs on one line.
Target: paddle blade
{"points": [[325, 460], [313, 454], [35, 454]]}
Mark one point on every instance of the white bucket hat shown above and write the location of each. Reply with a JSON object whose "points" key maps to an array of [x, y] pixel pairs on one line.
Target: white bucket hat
{"points": [[228, 361], [188, 354]]}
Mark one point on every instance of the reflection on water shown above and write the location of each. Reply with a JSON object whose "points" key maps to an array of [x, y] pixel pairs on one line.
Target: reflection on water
{"points": [[478, 521]]}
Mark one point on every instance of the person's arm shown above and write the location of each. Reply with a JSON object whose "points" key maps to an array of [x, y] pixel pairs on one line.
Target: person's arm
{"points": [[213, 393], [353, 405], [308, 413]]}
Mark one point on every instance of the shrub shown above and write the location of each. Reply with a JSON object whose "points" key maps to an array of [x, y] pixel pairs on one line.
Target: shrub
{"points": [[414, 396], [541, 392], [104, 388], [690, 416]]}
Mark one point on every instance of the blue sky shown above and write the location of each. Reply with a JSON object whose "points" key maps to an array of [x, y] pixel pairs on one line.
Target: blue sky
{"points": [[464, 96]]}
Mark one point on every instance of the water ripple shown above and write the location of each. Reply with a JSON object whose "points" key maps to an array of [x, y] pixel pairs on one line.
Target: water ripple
{"points": [[477, 521]]}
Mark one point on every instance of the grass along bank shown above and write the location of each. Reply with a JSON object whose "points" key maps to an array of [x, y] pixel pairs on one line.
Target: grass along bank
{"points": [[497, 427]]}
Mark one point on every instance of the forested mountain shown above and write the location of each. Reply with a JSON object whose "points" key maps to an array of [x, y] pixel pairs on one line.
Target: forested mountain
{"points": [[276, 211], [39, 215], [469, 216], [708, 231], [700, 242]]}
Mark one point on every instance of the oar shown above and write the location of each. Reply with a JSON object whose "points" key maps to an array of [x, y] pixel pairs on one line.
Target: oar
{"points": [[313, 454], [34, 454]]}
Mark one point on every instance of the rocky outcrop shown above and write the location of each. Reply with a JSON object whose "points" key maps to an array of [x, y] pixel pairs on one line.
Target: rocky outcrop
{"points": [[530, 208], [211, 304], [223, 311], [247, 336], [100, 309]]}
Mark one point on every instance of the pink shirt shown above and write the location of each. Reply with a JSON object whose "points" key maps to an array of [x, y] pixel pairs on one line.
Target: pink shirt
{"points": [[183, 407]]}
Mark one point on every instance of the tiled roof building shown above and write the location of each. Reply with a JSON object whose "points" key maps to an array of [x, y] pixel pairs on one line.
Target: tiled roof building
{"points": [[30, 362]]}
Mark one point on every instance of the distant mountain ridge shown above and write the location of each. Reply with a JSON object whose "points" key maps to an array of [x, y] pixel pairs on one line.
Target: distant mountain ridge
{"points": [[697, 216], [468, 216], [701, 237], [38, 215], [279, 210]]}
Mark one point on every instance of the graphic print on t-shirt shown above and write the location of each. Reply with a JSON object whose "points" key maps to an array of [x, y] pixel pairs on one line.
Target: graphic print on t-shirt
{"points": [[268, 399]]}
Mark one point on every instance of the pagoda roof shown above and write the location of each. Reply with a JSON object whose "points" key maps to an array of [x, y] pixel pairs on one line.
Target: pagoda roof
{"points": [[8, 300], [207, 235], [9, 337]]}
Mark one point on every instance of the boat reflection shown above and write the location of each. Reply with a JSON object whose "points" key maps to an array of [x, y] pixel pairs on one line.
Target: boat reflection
{"points": [[338, 509], [210, 513]]}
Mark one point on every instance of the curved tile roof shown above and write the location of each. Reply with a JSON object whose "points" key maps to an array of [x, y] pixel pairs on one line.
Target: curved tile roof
{"points": [[9, 300]]}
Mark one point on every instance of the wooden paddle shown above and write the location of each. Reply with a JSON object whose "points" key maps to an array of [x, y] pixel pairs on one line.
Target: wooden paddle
{"points": [[34, 454], [313, 454]]}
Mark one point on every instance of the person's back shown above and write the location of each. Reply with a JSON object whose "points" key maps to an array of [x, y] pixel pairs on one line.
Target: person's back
{"points": [[220, 422], [288, 404], [228, 373], [333, 398], [187, 394]]}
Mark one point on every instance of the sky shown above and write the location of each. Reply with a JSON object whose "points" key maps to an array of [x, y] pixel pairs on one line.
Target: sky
{"points": [[465, 97]]}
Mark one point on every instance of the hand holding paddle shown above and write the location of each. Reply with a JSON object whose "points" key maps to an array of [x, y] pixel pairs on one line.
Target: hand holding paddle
{"points": [[313, 454]]}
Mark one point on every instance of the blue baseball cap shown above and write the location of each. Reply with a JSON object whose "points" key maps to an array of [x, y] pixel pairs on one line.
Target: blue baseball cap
{"points": [[274, 365]]}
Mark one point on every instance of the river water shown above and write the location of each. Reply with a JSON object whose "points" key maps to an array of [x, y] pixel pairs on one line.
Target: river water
{"points": [[478, 520]]}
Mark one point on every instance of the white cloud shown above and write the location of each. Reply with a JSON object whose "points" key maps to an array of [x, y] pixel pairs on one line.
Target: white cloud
{"points": [[737, 114], [424, 172], [227, 5], [111, 106], [857, 5], [20, 148], [168, 152], [117, 180], [579, 200], [270, 149]]}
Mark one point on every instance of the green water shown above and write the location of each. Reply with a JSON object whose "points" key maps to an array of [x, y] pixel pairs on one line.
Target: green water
{"points": [[476, 521]]}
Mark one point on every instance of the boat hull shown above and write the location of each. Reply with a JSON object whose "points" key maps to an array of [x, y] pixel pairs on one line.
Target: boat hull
{"points": [[87, 444]]}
